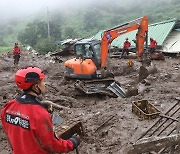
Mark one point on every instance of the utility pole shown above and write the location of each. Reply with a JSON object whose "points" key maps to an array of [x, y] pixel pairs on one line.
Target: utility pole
{"points": [[48, 23]]}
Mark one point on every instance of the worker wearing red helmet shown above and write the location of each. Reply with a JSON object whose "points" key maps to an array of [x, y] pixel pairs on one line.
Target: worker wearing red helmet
{"points": [[153, 45], [126, 47], [26, 123], [16, 53]]}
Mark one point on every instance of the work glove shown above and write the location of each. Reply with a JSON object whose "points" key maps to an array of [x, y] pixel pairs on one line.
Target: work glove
{"points": [[75, 140]]}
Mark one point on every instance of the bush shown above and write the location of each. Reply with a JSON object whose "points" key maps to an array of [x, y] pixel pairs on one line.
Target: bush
{"points": [[44, 46]]}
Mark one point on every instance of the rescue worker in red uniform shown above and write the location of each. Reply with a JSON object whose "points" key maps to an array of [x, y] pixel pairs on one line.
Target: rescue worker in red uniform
{"points": [[16, 53], [126, 47], [27, 124], [153, 45]]}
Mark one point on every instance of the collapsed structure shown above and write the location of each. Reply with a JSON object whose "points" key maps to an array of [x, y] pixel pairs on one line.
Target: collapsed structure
{"points": [[166, 33]]}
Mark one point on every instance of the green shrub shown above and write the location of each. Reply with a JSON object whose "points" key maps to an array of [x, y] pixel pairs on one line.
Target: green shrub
{"points": [[44, 46]]}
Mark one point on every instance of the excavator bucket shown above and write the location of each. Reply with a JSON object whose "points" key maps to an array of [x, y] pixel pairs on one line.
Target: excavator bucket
{"points": [[144, 71]]}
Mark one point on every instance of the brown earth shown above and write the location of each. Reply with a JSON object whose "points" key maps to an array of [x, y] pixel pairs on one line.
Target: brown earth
{"points": [[124, 127]]}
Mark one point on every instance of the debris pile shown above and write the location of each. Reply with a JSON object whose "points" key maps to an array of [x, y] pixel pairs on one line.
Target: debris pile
{"points": [[109, 124]]}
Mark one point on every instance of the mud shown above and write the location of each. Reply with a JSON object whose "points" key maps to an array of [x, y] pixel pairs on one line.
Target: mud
{"points": [[124, 127]]}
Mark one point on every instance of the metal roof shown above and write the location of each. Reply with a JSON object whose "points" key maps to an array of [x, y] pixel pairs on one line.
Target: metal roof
{"points": [[158, 31], [172, 43]]}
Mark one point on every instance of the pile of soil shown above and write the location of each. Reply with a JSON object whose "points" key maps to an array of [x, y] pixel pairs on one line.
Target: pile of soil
{"points": [[124, 127]]}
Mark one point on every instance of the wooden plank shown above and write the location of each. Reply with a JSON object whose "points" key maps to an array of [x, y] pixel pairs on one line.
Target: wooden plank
{"points": [[153, 144]]}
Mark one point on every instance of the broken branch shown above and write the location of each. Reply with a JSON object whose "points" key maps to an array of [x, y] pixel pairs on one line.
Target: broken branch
{"points": [[55, 105]]}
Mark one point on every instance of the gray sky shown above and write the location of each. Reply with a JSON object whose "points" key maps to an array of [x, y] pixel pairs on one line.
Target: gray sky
{"points": [[18, 8], [10, 9]]}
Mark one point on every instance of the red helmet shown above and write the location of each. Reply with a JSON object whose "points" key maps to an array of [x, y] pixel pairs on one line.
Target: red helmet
{"points": [[26, 77]]}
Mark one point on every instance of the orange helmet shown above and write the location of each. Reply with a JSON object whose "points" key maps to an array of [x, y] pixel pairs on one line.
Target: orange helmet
{"points": [[27, 77]]}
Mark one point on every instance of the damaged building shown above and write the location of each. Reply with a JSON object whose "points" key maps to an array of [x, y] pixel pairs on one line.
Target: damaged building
{"points": [[166, 33]]}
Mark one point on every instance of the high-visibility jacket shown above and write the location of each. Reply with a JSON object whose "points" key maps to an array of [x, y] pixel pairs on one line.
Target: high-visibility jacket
{"points": [[153, 44], [29, 127], [127, 44], [16, 50]]}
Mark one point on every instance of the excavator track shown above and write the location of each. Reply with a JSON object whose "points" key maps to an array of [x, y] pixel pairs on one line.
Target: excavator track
{"points": [[91, 88], [103, 80], [108, 87]]}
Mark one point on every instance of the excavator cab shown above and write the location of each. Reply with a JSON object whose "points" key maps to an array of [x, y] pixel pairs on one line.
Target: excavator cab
{"points": [[86, 62], [88, 50]]}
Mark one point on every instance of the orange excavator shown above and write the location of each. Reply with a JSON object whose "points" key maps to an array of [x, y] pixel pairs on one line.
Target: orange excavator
{"points": [[91, 55]]}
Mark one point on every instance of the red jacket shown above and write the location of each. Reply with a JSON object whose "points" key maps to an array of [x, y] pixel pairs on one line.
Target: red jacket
{"points": [[153, 44], [29, 127], [16, 50], [127, 44]]}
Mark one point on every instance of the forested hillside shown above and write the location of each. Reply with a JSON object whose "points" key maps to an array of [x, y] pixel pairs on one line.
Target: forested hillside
{"points": [[85, 20], [105, 15]]}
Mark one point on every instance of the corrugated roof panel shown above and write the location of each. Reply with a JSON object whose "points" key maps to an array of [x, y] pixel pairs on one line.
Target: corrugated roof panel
{"points": [[158, 31], [98, 35]]}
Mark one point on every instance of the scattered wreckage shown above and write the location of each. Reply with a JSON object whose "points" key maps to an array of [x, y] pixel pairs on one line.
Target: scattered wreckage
{"points": [[114, 89], [163, 136]]}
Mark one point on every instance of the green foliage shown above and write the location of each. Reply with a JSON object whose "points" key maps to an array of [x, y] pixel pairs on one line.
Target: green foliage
{"points": [[55, 31], [45, 45], [58, 19], [91, 20], [36, 31], [87, 21], [70, 32]]}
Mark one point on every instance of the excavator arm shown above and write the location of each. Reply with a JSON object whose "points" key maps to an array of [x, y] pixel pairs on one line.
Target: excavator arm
{"points": [[140, 24]]}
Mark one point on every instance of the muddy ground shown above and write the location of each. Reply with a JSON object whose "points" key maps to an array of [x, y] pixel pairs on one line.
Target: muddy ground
{"points": [[124, 127]]}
